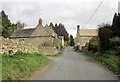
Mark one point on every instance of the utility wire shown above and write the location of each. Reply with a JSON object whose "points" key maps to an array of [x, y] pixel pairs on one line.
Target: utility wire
{"points": [[94, 12]]}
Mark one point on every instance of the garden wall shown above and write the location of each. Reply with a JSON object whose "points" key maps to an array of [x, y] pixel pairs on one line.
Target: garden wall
{"points": [[16, 45]]}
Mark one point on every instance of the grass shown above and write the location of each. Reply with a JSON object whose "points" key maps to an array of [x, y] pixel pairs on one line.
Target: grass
{"points": [[109, 60], [55, 55], [21, 65], [0, 67]]}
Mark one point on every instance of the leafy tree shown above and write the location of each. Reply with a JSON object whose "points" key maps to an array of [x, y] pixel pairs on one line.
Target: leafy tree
{"points": [[71, 41], [60, 30]]}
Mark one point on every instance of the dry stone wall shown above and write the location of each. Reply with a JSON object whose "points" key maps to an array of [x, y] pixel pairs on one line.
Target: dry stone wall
{"points": [[20, 45], [47, 50], [16, 45]]}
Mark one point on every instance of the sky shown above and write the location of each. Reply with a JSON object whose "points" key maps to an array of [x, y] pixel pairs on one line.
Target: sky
{"points": [[68, 12]]}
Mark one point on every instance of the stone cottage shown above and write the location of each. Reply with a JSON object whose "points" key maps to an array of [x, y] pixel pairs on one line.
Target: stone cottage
{"points": [[40, 35], [84, 35]]}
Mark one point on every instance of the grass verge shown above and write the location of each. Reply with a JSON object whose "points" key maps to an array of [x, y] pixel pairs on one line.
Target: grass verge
{"points": [[21, 65], [55, 55], [0, 67], [109, 60]]}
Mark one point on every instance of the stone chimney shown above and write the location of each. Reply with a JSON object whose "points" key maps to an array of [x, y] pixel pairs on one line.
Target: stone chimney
{"points": [[19, 26], [40, 21], [78, 27], [78, 33]]}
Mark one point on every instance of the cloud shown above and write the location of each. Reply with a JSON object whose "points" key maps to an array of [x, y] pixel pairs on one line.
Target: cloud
{"points": [[69, 12]]}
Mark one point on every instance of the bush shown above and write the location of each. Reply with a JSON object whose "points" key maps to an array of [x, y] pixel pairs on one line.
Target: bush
{"points": [[93, 44], [104, 34], [115, 45], [10, 52], [115, 41], [19, 53]]}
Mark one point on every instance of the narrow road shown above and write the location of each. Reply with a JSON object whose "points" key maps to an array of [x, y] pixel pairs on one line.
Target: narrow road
{"points": [[74, 66]]}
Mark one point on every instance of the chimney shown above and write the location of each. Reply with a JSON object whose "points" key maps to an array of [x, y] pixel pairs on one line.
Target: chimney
{"points": [[78, 27], [40, 21], [19, 26]]}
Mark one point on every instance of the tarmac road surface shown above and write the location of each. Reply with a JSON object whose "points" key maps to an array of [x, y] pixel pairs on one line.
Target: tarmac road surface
{"points": [[75, 66]]}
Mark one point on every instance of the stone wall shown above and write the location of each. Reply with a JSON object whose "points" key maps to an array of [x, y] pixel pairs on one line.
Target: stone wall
{"points": [[41, 40], [48, 50], [57, 42], [36, 40], [16, 45], [20, 45]]}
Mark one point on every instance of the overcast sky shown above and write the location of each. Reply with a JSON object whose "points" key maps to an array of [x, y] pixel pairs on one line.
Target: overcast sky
{"points": [[69, 12]]}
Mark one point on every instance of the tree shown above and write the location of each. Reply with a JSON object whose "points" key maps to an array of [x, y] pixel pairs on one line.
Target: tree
{"points": [[71, 41], [60, 30], [5, 21], [104, 35], [0, 24], [114, 20], [55, 28], [51, 24], [8, 27], [116, 25]]}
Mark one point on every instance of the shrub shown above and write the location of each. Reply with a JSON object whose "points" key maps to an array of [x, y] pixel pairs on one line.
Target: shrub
{"points": [[115, 41], [93, 44], [10, 52], [19, 53], [115, 44], [57, 47], [104, 35]]}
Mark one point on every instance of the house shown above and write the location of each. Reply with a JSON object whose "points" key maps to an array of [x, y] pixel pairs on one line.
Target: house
{"points": [[84, 35], [40, 35]]}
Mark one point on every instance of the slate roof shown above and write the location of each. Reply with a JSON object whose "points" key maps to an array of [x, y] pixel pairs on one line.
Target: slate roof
{"points": [[41, 31], [22, 33]]}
